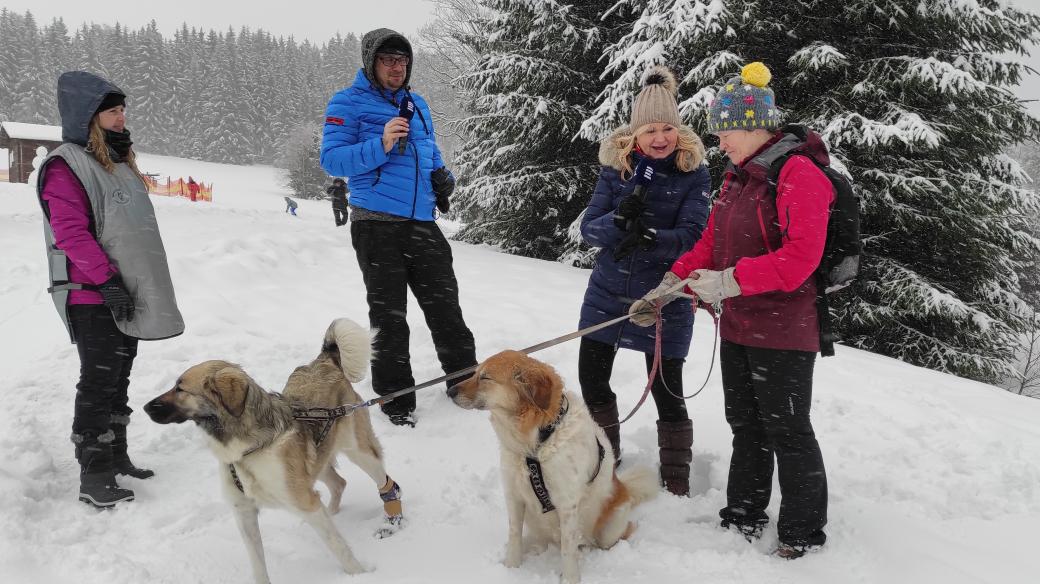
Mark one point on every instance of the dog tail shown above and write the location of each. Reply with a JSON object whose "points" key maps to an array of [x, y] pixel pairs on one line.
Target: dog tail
{"points": [[641, 483], [351, 343]]}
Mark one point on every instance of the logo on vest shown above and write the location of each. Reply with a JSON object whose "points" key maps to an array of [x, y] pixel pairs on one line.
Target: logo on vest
{"points": [[120, 196]]}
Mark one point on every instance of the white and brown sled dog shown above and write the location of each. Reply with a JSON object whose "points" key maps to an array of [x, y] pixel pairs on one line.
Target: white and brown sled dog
{"points": [[557, 465], [268, 458]]}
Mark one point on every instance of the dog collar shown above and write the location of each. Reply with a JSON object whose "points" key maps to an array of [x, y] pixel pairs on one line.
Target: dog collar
{"points": [[546, 431]]}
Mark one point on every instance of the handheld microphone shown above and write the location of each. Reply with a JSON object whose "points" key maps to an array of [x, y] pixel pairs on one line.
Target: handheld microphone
{"points": [[643, 175], [407, 111]]}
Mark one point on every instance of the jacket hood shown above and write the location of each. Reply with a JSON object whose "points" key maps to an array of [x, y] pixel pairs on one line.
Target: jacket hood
{"points": [[370, 44], [791, 139], [608, 148], [79, 95]]}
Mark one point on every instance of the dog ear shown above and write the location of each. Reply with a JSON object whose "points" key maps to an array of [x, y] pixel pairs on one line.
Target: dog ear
{"points": [[536, 381], [231, 386]]}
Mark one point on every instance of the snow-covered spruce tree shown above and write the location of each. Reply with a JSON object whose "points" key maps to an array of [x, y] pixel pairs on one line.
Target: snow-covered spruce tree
{"points": [[915, 99], [302, 163], [524, 176]]}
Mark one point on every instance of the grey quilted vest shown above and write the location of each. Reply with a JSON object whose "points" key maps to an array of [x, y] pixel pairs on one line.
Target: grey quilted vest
{"points": [[127, 231]]}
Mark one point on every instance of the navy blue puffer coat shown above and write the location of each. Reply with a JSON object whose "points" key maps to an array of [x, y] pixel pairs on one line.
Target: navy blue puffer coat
{"points": [[677, 207]]}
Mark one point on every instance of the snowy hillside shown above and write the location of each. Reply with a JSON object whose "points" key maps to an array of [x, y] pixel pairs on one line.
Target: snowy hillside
{"points": [[933, 479]]}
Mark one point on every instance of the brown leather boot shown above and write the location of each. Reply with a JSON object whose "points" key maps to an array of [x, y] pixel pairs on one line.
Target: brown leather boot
{"points": [[675, 440], [606, 416]]}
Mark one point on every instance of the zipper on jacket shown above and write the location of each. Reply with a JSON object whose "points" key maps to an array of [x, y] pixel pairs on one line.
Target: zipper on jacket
{"points": [[762, 227], [415, 193]]}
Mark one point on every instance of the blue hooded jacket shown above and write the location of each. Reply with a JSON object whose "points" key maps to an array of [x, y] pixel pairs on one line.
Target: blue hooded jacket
{"points": [[352, 146], [677, 207]]}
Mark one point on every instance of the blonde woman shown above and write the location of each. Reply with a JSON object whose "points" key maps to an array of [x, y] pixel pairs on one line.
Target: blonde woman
{"points": [[639, 238], [109, 278]]}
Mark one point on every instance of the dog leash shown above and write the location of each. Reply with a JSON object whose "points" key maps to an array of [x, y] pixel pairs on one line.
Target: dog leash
{"points": [[328, 415]]}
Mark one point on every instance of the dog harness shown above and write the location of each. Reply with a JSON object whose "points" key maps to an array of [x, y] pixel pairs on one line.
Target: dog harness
{"points": [[534, 467]]}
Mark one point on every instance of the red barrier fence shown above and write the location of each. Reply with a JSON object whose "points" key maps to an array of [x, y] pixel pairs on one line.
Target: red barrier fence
{"points": [[180, 188]]}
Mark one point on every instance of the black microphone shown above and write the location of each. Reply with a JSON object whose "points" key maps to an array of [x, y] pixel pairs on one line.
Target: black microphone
{"points": [[407, 111], [643, 175]]}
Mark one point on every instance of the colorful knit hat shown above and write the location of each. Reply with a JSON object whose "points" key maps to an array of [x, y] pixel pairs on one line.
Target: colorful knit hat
{"points": [[656, 102], [745, 102]]}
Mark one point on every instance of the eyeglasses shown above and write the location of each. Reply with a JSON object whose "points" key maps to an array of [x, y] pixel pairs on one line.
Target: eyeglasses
{"points": [[394, 60]]}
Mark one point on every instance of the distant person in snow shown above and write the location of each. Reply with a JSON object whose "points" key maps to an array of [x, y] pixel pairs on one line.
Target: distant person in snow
{"points": [[338, 193], [397, 178], [193, 189], [290, 206], [108, 271], [641, 233], [757, 258]]}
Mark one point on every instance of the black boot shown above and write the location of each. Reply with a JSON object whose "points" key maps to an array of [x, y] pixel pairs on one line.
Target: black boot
{"points": [[120, 460], [606, 415], [675, 440], [97, 482]]}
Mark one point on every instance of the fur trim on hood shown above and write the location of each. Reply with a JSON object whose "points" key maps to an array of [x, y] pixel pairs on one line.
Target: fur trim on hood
{"points": [[608, 150]]}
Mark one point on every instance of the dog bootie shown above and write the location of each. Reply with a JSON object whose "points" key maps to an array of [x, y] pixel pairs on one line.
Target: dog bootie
{"points": [[97, 481], [121, 463], [391, 496]]}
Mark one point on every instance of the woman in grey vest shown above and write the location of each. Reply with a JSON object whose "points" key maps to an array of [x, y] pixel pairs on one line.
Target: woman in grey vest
{"points": [[109, 278]]}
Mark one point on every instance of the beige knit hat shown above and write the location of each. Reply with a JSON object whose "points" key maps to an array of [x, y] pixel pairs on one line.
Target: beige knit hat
{"points": [[656, 102]]}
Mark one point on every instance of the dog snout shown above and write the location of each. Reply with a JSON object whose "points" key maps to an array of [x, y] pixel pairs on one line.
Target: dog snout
{"points": [[453, 391], [163, 412]]}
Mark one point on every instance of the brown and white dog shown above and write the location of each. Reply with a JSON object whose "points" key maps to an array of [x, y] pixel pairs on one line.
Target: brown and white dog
{"points": [[572, 468], [267, 457]]}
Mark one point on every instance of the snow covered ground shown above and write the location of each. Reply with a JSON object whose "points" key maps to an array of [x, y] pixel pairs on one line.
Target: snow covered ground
{"points": [[933, 479]]}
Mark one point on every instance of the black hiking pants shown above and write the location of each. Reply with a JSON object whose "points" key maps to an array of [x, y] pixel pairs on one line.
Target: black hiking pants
{"points": [[396, 256], [340, 215], [768, 393], [595, 364], [106, 356]]}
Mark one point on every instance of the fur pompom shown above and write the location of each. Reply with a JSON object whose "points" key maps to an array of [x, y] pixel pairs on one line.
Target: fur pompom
{"points": [[661, 75]]}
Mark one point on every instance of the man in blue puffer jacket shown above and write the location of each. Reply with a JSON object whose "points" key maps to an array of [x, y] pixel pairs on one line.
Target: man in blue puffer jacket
{"points": [[396, 177]]}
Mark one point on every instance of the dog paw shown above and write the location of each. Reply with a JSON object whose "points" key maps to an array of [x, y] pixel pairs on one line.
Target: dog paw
{"points": [[514, 555], [391, 525], [356, 568]]}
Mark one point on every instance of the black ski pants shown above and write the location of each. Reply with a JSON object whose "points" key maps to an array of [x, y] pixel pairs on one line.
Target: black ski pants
{"points": [[340, 215], [106, 356], [768, 393], [396, 256], [596, 362]]}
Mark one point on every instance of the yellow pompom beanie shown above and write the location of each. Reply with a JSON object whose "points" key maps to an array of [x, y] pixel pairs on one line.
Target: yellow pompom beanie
{"points": [[745, 102]]}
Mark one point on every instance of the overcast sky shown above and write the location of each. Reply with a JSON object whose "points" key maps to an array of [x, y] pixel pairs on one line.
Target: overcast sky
{"points": [[316, 20]]}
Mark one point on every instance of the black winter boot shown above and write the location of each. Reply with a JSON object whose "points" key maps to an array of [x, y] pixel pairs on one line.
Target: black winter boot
{"points": [[675, 440], [606, 415], [97, 482], [120, 460]]}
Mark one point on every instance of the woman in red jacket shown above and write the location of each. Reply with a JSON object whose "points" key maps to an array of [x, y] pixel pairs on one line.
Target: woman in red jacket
{"points": [[756, 257]]}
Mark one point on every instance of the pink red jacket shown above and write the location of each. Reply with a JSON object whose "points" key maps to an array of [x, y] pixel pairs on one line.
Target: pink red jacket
{"points": [[72, 221], [776, 247]]}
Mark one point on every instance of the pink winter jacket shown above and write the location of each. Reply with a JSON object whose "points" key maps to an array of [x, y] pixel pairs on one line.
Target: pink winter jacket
{"points": [[774, 246], [72, 222]]}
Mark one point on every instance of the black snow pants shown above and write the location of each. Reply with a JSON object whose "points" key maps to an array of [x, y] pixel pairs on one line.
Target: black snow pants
{"points": [[106, 356], [396, 256], [768, 393]]}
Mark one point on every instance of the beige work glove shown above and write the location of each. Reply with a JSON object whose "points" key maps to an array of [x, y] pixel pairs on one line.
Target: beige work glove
{"points": [[642, 310], [713, 287]]}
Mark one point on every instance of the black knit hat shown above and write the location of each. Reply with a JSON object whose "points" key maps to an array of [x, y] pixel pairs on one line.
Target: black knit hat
{"points": [[395, 45], [111, 100]]}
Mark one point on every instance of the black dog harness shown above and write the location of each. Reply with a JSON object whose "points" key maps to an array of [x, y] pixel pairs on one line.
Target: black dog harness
{"points": [[534, 468]]}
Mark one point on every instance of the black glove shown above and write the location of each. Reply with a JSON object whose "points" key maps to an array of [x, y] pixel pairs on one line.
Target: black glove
{"points": [[629, 210], [640, 237], [443, 187], [117, 299]]}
